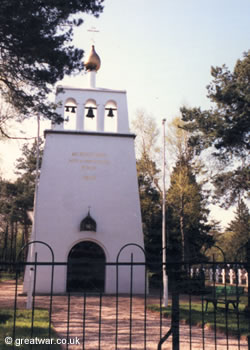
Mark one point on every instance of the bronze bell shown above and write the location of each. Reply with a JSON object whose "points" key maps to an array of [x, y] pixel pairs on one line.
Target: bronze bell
{"points": [[73, 109], [67, 108], [110, 113], [90, 113]]}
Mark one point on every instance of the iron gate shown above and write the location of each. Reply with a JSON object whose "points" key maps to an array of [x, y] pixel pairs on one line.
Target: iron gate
{"points": [[207, 309]]}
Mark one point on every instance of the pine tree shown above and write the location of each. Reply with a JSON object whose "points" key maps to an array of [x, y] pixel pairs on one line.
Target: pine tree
{"points": [[16, 199], [187, 214], [36, 50], [237, 233], [26, 169], [8, 216], [224, 130]]}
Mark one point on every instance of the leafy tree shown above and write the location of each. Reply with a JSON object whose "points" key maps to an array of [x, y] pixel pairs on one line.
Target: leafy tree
{"points": [[186, 200], [36, 52], [225, 128], [177, 141], [147, 149], [187, 214], [150, 200], [147, 152]]}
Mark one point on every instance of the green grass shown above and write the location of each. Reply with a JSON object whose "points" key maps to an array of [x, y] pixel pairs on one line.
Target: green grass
{"points": [[10, 276], [226, 324], [23, 326], [6, 276]]}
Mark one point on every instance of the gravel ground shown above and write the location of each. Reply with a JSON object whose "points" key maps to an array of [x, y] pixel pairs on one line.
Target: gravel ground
{"points": [[130, 329]]}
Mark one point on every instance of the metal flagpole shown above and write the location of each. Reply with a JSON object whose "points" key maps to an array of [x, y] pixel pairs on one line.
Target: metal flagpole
{"points": [[33, 235], [164, 272]]}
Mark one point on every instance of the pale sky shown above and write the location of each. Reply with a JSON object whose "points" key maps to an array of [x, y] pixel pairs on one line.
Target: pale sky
{"points": [[160, 51]]}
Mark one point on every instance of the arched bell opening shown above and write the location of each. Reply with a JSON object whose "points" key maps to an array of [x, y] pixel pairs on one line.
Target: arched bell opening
{"points": [[86, 268], [90, 115], [110, 117], [70, 112]]}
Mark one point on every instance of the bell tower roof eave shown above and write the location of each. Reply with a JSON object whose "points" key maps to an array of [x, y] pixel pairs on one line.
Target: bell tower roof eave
{"points": [[88, 133], [60, 89]]}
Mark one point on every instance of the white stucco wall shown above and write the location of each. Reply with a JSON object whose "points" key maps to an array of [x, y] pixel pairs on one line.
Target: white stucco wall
{"points": [[96, 170], [83, 169]]}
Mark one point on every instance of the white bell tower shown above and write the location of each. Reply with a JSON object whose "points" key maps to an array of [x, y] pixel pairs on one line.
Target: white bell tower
{"points": [[87, 200]]}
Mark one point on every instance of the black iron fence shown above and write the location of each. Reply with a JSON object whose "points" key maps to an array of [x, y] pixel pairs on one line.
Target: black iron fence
{"points": [[203, 312]]}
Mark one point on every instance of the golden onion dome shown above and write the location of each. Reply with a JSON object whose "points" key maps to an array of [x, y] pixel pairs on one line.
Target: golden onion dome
{"points": [[93, 61]]}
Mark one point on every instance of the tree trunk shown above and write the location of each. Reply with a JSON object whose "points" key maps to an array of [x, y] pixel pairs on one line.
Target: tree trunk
{"points": [[182, 229], [5, 245], [15, 240]]}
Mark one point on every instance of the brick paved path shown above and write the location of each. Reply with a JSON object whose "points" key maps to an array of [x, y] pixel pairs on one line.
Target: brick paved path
{"points": [[107, 330]]}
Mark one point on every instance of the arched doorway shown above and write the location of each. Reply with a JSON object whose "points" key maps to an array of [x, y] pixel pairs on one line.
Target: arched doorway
{"points": [[86, 268]]}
